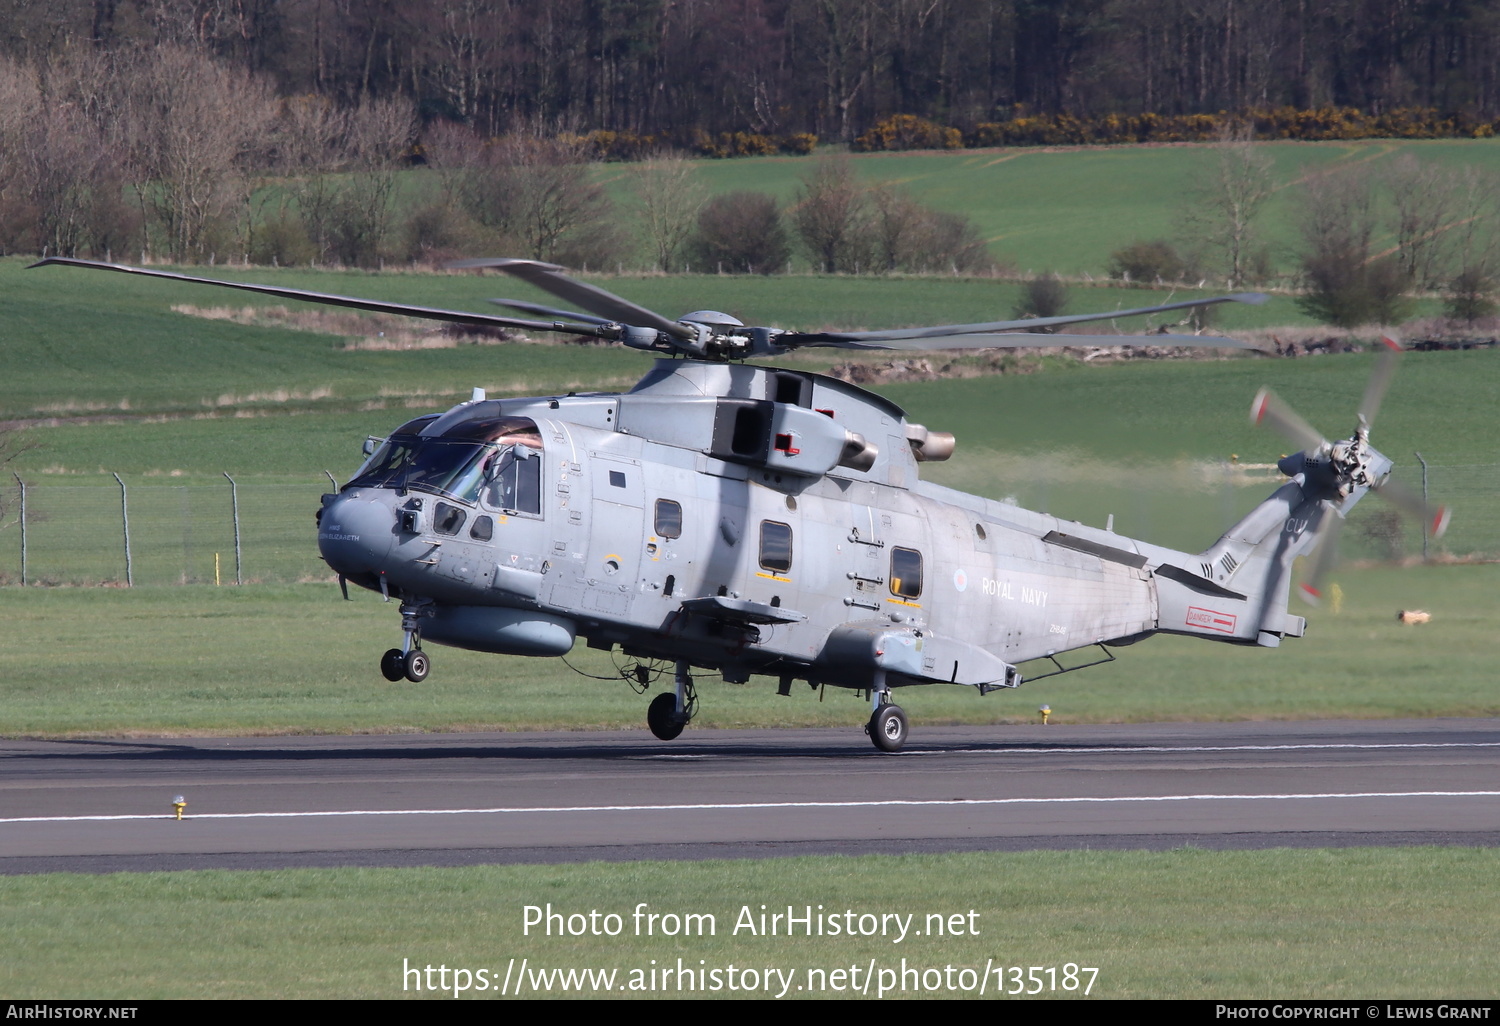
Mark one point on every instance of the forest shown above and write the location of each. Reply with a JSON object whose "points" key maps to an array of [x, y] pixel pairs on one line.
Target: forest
{"points": [[830, 68]]}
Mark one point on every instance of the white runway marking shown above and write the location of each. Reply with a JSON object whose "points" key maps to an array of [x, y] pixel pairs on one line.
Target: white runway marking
{"points": [[746, 806], [1127, 749]]}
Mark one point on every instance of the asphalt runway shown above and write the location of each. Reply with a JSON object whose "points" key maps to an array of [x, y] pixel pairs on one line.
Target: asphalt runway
{"points": [[464, 799]]}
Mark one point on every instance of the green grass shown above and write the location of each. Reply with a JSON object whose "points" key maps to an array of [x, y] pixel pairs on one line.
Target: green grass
{"points": [[1065, 209], [297, 659], [1353, 923]]}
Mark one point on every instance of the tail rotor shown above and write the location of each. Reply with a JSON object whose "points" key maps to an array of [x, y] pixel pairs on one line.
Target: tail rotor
{"points": [[1340, 469]]}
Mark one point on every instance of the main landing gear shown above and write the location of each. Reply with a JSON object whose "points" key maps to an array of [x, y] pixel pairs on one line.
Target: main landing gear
{"points": [[887, 727], [408, 661], [670, 711]]}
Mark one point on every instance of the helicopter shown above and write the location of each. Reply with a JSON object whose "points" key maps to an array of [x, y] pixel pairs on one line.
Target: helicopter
{"points": [[757, 521]]}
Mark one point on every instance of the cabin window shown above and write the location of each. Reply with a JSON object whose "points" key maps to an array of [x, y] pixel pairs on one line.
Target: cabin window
{"points": [[775, 546], [906, 572], [668, 518], [483, 529], [448, 518]]}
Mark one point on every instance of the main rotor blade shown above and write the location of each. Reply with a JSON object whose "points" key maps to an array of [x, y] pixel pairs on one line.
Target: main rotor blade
{"points": [[989, 327], [549, 311], [1267, 409], [1380, 381], [998, 340], [1434, 518], [1323, 560], [328, 299], [549, 278]]}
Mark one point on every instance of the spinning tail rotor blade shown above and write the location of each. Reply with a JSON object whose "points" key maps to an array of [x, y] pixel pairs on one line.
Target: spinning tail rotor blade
{"points": [[1323, 560], [1380, 382], [549, 278], [1434, 518], [1269, 410]]}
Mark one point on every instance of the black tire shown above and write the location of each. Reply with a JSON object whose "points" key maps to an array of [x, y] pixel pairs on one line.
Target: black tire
{"points": [[417, 666], [888, 728], [661, 716], [393, 665]]}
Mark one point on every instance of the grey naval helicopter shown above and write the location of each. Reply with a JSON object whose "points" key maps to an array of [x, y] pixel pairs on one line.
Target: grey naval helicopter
{"points": [[752, 520]]}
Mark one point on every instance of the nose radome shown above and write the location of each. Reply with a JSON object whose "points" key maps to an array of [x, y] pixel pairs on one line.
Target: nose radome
{"points": [[356, 533]]}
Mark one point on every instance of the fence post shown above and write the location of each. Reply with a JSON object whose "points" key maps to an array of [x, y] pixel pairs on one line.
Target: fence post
{"points": [[125, 519], [234, 506], [23, 525]]}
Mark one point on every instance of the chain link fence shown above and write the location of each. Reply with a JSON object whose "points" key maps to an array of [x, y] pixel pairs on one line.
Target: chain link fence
{"points": [[262, 530], [146, 531]]}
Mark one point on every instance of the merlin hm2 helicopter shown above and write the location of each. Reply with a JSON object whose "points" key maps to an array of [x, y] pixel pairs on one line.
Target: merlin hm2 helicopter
{"points": [[753, 520]]}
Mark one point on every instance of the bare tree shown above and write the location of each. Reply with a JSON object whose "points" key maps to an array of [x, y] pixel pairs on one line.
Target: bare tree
{"points": [[1345, 282], [670, 196], [1223, 209], [1423, 198], [899, 224], [1044, 296], [65, 167], [375, 139], [540, 195], [1475, 246], [20, 105], [741, 233], [194, 127], [831, 214]]}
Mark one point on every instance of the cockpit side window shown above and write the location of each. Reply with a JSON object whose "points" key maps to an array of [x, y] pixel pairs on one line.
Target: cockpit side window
{"points": [[449, 519], [514, 479]]}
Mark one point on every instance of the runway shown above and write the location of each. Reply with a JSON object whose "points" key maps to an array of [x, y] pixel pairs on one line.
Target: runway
{"points": [[462, 799]]}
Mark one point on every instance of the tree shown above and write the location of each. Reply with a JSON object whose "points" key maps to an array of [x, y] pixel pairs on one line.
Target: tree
{"points": [[538, 195], [740, 232], [1224, 206], [1345, 283], [1476, 251], [669, 198], [375, 138], [1147, 262], [1042, 297], [1423, 199], [193, 126], [831, 215]]}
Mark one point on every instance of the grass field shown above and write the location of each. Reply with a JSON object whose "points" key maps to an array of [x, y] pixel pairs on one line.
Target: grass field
{"points": [[297, 659], [1065, 209], [1354, 923]]}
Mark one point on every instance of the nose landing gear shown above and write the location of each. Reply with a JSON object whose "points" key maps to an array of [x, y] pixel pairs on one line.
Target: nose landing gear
{"points": [[409, 660]]}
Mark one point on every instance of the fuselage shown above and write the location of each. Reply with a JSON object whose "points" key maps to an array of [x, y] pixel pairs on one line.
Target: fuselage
{"points": [[739, 518]]}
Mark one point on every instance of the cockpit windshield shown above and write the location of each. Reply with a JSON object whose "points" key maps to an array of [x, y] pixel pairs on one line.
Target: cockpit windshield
{"points": [[499, 459]]}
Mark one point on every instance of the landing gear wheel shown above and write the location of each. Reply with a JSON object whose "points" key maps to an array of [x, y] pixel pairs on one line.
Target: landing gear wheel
{"points": [[417, 665], [393, 665], [887, 728], [662, 718]]}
